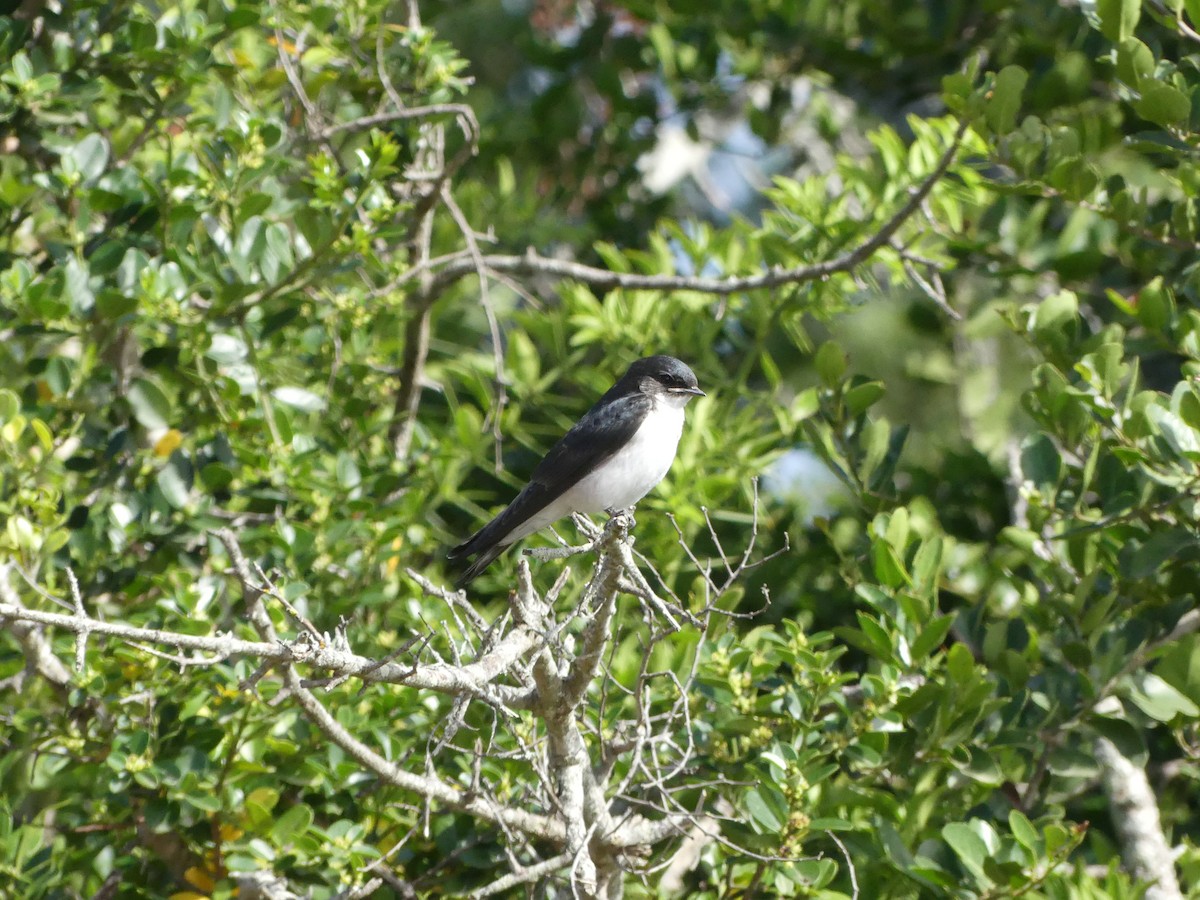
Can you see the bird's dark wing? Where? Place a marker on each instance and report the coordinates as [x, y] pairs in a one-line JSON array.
[[603, 430]]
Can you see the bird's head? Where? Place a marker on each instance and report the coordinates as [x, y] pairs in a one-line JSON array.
[[658, 375]]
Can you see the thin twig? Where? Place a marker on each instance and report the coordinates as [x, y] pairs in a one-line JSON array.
[[80, 636], [849, 864], [524, 876], [463, 113]]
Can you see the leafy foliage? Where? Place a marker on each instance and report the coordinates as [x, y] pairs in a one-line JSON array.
[[218, 266]]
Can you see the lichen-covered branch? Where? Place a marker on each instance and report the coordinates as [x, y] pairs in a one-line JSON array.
[[534, 665], [1144, 847]]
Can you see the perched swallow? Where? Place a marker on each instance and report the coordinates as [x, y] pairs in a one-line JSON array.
[[610, 459]]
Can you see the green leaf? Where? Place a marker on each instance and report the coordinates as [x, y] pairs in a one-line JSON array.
[[889, 568], [1073, 762], [805, 404], [1118, 18], [242, 16], [58, 376], [1155, 306], [1005, 102], [980, 766], [876, 441], [21, 66], [862, 397], [876, 635], [1163, 104], [761, 812], [10, 405], [77, 288], [960, 665], [969, 847], [216, 476], [90, 156], [931, 637], [175, 480], [1057, 837], [227, 349], [45, 438], [1149, 558], [1180, 667], [831, 363], [150, 405], [1040, 461], [927, 566], [299, 398], [1127, 737], [1157, 699], [292, 825], [348, 476], [13, 428], [249, 247], [277, 259], [1193, 10], [830, 824], [1023, 830], [1135, 61], [259, 804], [1184, 439], [1055, 311], [813, 873]]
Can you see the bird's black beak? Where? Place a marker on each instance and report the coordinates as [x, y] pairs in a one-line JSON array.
[[695, 392]]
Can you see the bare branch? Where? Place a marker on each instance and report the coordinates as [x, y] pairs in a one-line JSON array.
[[525, 875], [569, 800], [931, 287], [603, 588], [449, 795], [1144, 847], [473, 679], [485, 300], [463, 113], [269, 588], [416, 341], [251, 591], [849, 864], [603, 279], [687, 857], [39, 657], [80, 636], [456, 600]]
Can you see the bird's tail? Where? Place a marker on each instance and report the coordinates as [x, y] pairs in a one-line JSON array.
[[482, 561], [499, 534], [483, 546]]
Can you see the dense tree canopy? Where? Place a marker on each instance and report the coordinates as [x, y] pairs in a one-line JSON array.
[[294, 295]]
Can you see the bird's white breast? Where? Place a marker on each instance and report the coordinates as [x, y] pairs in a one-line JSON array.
[[626, 476], [629, 474]]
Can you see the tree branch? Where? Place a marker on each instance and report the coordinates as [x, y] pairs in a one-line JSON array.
[[416, 332], [524, 876], [1135, 814], [472, 679], [39, 657], [596, 634], [603, 279], [464, 114], [532, 824]]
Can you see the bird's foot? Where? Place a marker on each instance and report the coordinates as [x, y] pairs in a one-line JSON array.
[[627, 513]]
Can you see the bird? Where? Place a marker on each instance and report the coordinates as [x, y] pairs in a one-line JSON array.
[[609, 460]]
